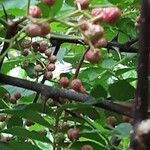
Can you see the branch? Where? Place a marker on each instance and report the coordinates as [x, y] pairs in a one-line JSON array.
[[125, 47], [12, 30], [52, 92], [140, 140]]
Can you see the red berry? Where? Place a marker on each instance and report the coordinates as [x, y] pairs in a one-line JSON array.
[[49, 2], [33, 30], [13, 100], [48, 75], [111, 120], [102, 42], [86, 147], [35, 46], [64, 82], [29, 123], [45, 29], [51, 67], [82, 90], [83, 3], [96, 12], [94, 32], [53, 59], [48, 53], [93, 56], [17, 95], [35, 12], [38, 68], [76, 84], [43, 47], [111, 14], [83, 24], [73, 134], [127, 119], [2, 118], [25, 52]]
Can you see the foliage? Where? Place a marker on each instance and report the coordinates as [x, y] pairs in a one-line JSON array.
[[113, 77]]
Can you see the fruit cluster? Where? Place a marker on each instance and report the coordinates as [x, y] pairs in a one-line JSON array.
[[14, 98], [75, 84], [93, 32], [50, 67], [109, 15], [35, 28]]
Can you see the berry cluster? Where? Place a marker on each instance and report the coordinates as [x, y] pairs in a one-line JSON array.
[[109, 15], [37, 29], [50, 67], [75, 84], [14, 98], [93, 32], [94, 36]]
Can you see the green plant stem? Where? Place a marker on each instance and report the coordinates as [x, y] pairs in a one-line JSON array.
[[28, 7], [80, 64]]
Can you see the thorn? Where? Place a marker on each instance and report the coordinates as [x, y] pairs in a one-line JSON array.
[[115, 39], [5, 13]]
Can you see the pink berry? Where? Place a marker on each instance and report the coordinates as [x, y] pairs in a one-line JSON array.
[[93, 56], [111, 14], [76, 84], [73, 134], [35, 12], [64, 82]]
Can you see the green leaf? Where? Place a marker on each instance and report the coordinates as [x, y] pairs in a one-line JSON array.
[[70, 2], [51, 11], [108, 63], [3, 104], [92, 135], [14, 121], [14, 145], [98, 91], [96, 2], [122, 71], [96, 146], [37, 107], [21, 132], [121, 90], [24, 146], [9, 4], [123, 130], [4, 146], [3, 91], [28, 114], [90, 74], [30, 71]]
